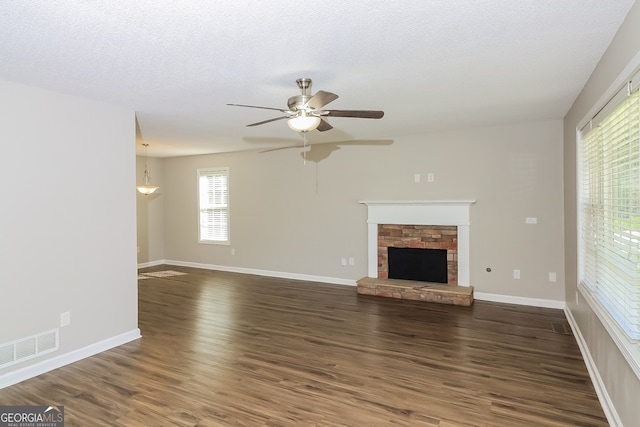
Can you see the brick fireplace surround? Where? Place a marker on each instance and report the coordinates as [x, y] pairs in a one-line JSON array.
[[422, 237], [441, 224]]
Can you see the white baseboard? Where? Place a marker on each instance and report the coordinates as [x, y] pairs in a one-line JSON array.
[[509, 299], [267, 273], [605, 401], [47, 365], [151, 263]]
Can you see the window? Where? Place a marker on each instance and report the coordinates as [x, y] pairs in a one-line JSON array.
[[213, 202], [610, 211]]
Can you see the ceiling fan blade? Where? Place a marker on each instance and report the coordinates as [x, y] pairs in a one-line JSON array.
[[362, 114], [268, 121], [324, 125], [255, 106], [320, 99]]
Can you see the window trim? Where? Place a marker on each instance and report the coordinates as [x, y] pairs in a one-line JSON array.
[[212, 170], [629, 348], [609, 171]]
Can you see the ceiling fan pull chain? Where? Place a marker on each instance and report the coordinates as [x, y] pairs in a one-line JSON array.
[[304, 144]]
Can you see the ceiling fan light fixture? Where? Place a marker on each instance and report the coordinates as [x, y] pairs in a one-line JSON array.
[[304, 123]]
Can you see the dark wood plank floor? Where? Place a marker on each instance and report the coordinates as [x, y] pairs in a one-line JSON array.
[[225, 349]]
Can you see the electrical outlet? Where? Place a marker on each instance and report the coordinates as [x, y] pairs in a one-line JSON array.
[[352, 261], [553, 278], [430, 177], [531, 220], [233, 251], [416, 177], [65, 318], [343, 261], [516, 274]]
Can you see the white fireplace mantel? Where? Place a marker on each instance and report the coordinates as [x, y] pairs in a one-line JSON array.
[[420, 212]]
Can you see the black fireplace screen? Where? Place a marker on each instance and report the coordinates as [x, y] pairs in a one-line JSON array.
[[426, 265]]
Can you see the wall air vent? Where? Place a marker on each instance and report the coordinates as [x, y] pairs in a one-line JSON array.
[[27, 348]]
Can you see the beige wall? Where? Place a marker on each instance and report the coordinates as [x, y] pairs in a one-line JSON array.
[[621, 384], [67, 220], [302, 219]]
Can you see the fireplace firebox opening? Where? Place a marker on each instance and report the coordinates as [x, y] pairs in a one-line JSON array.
[[426, 265]]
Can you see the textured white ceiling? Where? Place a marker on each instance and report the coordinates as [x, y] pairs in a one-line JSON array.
[[431, 65]]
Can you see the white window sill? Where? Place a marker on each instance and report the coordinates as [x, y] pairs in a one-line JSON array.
[[628, 347]]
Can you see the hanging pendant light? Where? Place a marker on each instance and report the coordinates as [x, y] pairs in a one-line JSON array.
[[146, 188]]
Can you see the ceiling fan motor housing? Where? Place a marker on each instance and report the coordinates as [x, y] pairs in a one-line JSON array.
[[297, 102]]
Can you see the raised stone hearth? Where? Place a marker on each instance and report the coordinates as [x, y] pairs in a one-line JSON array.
[[418, 291]]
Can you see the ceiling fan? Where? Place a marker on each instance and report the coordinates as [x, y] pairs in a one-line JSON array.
[[305, 112]]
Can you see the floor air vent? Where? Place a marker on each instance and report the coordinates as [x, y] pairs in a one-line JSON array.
[[28, 348], [560, 328]]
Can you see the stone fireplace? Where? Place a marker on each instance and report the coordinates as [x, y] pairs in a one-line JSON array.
[[421, 237], [430, 224]]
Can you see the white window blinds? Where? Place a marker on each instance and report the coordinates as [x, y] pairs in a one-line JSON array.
[[213, 191], [610, 212]]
